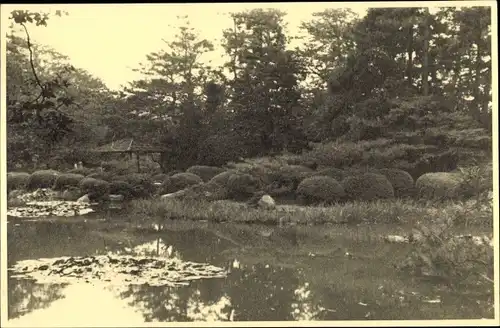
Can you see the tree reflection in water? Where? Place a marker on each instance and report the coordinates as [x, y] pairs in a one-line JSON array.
[[257, 292], [26, 296]]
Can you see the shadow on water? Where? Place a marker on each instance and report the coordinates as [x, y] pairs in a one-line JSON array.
[[274, 274]]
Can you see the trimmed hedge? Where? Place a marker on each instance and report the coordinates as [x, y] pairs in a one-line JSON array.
[[42, 179], [205, 172], [332, 172], [242, 185], [222, 178], [17, 180], [120, 187], [439, 185], [368, 186], [67, 180], [401, 181], [179, 181], [95, 188], [320, 189]]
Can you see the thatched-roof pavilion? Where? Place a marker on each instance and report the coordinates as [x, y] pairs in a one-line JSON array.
[[129, 146]]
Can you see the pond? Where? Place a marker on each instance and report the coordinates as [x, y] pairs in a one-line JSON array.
[[274, 274]]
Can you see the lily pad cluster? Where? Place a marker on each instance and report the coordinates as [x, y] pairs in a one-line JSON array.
[[113, 269], [42, 194], [50, 208]]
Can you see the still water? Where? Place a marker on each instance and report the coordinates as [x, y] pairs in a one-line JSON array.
[[298, 273]]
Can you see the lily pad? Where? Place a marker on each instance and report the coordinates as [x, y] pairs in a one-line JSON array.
[[116, 269]]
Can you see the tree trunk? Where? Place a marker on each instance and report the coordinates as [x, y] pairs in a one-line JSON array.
[[409, 63], [425, 68]]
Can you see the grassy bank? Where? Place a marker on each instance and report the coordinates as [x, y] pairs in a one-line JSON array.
[[381, 211]]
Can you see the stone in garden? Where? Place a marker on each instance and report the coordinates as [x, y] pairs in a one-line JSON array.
[[116, 198], [267, 202], [176, 194], [84, 199]]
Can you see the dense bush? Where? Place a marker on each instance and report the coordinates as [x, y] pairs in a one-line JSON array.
[[95, 188], [85, 171], [222, 178], [209, 191], [120, 187], [242, 185], [476, 180], [332, 172], [160, 177], [67, 180], [106, 176], [368, 186], [320, 189], [142, 184], [439, 185], [179, 181], [438, 162], [205, 172], [401, 181], [17, 180], [42, 179]]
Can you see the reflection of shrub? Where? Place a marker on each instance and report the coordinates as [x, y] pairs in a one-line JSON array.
[[67, 180], [205, 172], [438, 185], [42, 179], [241, 185], [439, 253], [17, 180], [401, 181], [179, 181], [95, 188], [367, 186], [320, 189]]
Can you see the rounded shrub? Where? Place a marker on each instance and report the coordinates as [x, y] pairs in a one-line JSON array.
[[67, 180], [120, 187], [291, 174], [320, 189], [205, 172], [368, 186], [207, 191], [160, 177], [241, 185], [42, 179], [179, 181], [17, 180], [438, 185], [142, 184], [337, 174], [85, 171], [401, 181], [222, 178], [106, 176], [174, 172], [95, 188]]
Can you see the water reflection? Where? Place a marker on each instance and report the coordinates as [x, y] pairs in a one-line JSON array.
[[267, 279]]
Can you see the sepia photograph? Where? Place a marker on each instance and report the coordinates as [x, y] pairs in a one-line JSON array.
[[262, 164]]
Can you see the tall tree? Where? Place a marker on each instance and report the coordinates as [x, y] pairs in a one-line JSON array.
[[264, 90]]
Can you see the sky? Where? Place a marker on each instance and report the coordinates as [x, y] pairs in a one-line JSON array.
[[108, 40]]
